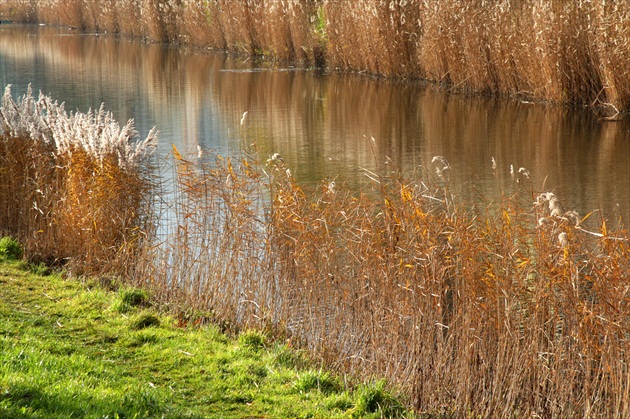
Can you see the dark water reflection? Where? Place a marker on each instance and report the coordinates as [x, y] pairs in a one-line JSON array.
[[323, 123]]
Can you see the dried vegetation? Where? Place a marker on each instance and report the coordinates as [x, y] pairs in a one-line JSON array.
[[496, 310], [74, 188], [569, 52], [499, 309]]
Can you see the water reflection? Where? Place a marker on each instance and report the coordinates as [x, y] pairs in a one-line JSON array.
[[323, 124], [153, 84]]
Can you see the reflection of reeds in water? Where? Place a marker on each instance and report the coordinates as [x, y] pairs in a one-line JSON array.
[[544, 50], [125, 65], [74, 188], [326, 122], [500, 310]]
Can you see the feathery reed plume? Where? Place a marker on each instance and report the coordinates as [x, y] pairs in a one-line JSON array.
[[441, 165], [77, 187]]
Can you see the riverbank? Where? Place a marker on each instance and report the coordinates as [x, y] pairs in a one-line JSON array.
[[544, 50], [505, 307], [76, 348]]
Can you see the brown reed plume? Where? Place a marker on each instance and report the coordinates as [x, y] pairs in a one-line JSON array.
[[76, 189]]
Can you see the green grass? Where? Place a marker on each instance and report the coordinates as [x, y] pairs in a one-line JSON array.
[[68, 350], [10, 248]]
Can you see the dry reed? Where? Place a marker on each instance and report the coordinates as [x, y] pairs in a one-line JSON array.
[[571, 52], [516, 308], [499, 310], [76, 189], [512, 309]]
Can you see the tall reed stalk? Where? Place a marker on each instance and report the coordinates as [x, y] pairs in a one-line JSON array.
[[514, 308], [544, 50], [75, 188]]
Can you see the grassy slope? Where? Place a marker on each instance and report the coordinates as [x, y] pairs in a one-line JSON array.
[[67, 349]]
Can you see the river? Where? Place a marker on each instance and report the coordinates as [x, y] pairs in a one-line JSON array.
[[325, 124]]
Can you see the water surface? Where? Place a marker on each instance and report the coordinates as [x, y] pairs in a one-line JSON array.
[[325, 125]]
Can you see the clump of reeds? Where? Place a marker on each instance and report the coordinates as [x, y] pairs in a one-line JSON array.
[[75, 188], [544, 50], [20, 11], [495, 309], [290, 30], [210, 248], [377, 37], [514, 308]]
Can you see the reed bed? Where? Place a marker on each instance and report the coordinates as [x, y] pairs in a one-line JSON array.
[[508, 308], [516, 308], [543, 50], [76, 189]]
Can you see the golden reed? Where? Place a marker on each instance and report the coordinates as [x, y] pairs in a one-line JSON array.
[[516, 308], [546, 50], [75, 188], [506, 309]]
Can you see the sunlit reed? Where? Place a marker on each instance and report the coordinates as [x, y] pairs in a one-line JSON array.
[[538, 50], [491, 309], [495, 310], [75, 188]]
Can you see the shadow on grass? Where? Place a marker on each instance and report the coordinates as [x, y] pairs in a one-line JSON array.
[[23, 400]]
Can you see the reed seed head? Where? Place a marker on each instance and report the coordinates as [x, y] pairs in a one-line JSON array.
[[563, 239]]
